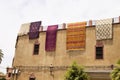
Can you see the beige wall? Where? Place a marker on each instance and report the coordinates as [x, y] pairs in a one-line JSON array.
[[24, 53]]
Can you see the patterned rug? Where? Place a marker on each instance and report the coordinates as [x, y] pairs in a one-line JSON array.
[[34, 30], [104, 29]]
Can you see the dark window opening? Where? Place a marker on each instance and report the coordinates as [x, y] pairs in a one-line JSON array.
[[31, 78], [36, 49], [99, 52], [9, 74]]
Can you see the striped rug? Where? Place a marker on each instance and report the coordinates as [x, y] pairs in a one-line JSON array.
[[76, 33]]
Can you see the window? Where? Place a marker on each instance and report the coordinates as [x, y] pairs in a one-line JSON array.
[[9, 74], [36, 49], [99, 52], [31, 78]]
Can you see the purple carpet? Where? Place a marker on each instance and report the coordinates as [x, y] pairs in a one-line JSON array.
[[51, 34], [34, 30]]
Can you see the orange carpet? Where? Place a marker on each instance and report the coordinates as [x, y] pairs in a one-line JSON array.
[[76, 34]]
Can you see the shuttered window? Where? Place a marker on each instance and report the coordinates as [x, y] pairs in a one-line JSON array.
[[99, 52], [36, 49]]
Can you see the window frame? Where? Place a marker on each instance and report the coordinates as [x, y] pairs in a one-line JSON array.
[[99, 44], [36, 44]]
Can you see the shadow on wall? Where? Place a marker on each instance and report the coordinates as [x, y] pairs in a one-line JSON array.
[[108, 42], [50, 53], [75, 52]]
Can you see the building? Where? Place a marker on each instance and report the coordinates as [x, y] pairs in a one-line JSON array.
[[33, 61]]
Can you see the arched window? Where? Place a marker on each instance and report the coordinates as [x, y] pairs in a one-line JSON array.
[[32, 77]]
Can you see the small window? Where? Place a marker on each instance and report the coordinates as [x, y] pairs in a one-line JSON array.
[[99, 52], [9, 74], [31, 78], [36, 49]]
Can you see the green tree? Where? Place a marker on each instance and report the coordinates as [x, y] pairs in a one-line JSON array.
[[115, 74], [1, 55], [76, 72], [3, 79]]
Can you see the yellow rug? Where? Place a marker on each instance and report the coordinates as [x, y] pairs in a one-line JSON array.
[[76, 34]]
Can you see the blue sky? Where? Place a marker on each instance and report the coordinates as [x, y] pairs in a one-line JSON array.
[[13, 13]]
